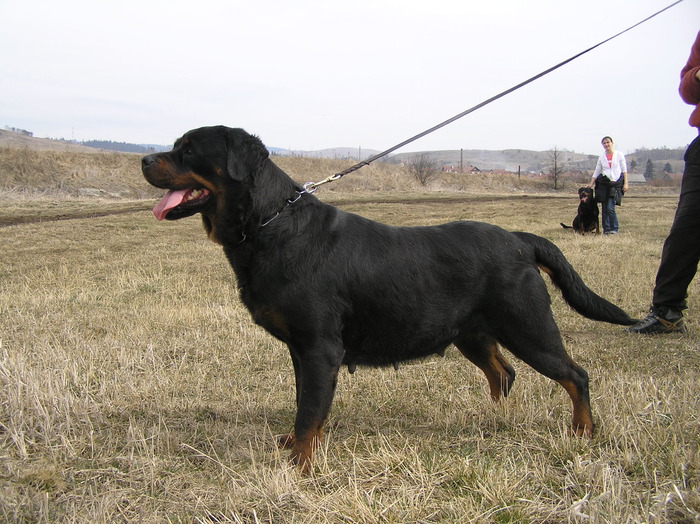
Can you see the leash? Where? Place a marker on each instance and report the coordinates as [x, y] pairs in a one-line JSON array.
[[310, 187]]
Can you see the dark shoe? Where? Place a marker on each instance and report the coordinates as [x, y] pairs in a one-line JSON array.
[[659, 321]]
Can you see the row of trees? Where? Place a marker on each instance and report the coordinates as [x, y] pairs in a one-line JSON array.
[[123, 147], [650, 170], [424, 167], [558, 167]]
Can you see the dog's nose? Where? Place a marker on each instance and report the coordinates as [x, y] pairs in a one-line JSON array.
[[147, 161]]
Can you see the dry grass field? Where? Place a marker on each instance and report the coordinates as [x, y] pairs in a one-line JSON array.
[[135, 388]]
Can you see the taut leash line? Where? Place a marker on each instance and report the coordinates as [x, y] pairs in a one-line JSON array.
[[310, 187]]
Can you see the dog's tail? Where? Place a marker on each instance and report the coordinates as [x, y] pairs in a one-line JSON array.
[[565, 226], [576, 293]]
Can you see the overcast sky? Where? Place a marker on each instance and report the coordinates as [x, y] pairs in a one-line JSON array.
[[314, 74]]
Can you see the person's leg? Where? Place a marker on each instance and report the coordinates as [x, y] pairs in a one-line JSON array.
[[680, 255], [604, 217], [608, 207], [681, 251], [614, 226]]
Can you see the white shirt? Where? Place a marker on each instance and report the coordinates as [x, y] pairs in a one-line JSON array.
[[617, 166]]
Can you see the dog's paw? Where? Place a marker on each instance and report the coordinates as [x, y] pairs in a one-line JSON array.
[[286, 441]]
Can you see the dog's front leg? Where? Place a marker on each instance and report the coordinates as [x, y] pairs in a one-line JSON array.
[[287, 441], [317, 377]]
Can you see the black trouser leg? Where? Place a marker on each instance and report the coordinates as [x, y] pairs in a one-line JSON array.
[[681, 251]]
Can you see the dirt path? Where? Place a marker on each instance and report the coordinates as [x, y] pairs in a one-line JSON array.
[[28, 212], [40, 211]]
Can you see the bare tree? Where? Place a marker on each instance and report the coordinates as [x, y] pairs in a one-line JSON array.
[[557, 165], [423, 167]]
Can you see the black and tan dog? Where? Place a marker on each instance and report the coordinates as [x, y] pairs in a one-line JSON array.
[[587, 216], [342, 290]]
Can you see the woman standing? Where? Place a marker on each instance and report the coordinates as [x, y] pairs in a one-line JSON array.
[[610, 179]]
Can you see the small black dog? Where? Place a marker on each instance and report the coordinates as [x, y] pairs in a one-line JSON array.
[[586, 220]]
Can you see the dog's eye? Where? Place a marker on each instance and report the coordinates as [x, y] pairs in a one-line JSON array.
[[188, 151]]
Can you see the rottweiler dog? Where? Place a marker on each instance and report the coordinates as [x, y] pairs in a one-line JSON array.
[[341, 290], [587, 216]]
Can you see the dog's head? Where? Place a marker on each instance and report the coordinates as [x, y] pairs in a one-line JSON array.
[[206, 168], [202, 163], [585, 194]]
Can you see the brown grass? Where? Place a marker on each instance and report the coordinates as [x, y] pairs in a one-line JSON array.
[[66, 173], [134, 387]]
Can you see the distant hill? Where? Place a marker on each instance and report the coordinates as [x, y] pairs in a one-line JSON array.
[[340, 153], [540, 161], [484, 160], [507, 159], [18, 140], [125, 147], [21, 140]]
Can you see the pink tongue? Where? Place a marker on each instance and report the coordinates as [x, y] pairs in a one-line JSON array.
[[170, 200]]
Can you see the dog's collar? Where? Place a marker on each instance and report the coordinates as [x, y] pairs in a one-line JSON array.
[[288, 203], [306, 190]]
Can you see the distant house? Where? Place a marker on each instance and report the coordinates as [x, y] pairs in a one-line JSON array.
[[456, 169], [636, 178], [19, 131]]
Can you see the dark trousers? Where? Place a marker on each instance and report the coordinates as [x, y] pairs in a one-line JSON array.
[[610, 223], [681, 252]]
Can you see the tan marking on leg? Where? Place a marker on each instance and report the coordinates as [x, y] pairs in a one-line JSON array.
[[286, 441], [582, 420], [303, 449]]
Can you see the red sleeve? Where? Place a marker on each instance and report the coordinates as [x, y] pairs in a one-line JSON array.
[[690, 86]]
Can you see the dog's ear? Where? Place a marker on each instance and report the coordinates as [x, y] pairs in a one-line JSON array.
[[245, 153]]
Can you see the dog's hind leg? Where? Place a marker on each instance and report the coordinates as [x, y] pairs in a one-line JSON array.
[[527, 328], [577, 388], [543, 349], [483, 351]]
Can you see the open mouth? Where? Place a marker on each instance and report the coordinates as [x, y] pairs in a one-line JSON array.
[[180, 203]]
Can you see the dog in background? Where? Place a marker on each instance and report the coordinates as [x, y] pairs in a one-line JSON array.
[[587, 217]]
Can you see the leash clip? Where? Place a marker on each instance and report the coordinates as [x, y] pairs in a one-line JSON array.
[[309, 187]]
